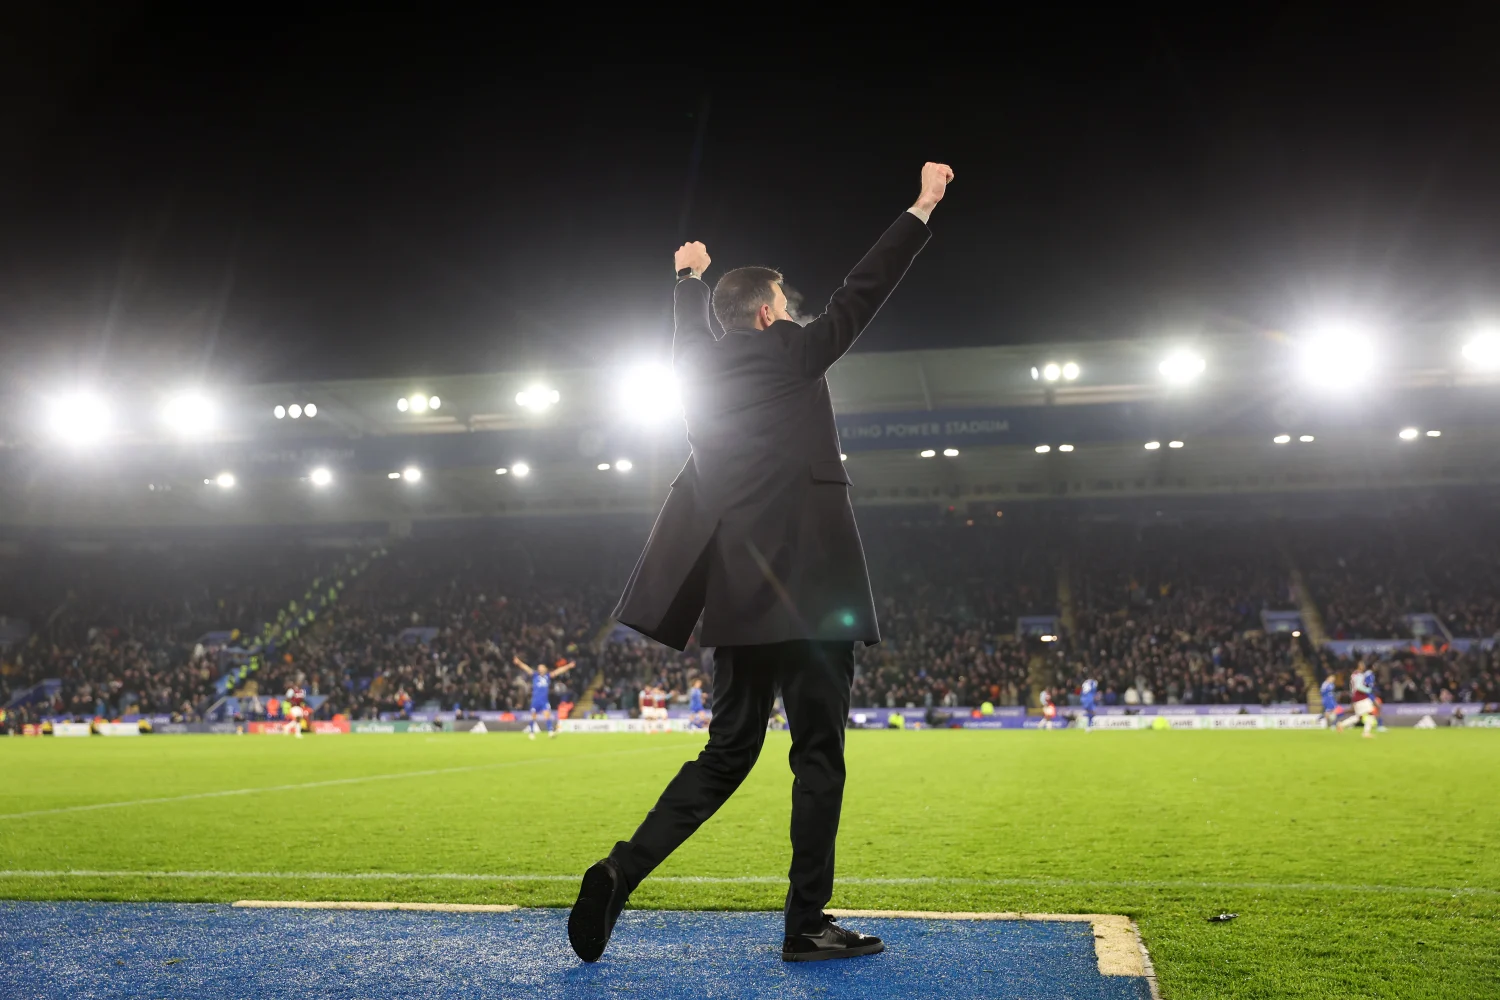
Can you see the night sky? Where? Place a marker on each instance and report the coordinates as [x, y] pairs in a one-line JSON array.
[[252, 198]]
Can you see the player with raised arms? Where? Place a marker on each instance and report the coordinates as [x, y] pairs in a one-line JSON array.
[[541, 688]]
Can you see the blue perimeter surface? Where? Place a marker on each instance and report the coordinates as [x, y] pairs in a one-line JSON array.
[[77, 950]]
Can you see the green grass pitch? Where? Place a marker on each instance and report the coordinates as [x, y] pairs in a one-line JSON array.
[[1358, 868]]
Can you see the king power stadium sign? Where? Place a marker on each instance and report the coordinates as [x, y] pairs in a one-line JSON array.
[[876, 430]]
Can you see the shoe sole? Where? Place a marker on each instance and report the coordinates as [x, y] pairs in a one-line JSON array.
[[823, 956], [588, 923]]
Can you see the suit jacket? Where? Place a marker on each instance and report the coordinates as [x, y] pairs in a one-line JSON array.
[[757, 533]]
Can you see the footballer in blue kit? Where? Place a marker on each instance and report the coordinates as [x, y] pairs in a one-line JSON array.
[[541, 689], [1086, 695], [1329, 690], [695, 704]]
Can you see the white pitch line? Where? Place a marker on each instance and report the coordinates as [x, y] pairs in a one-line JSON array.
[[1039, 883], [225, 793], [358, 904]]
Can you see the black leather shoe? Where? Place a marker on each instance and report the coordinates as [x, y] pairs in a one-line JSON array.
[[832, 941], [600, 900]]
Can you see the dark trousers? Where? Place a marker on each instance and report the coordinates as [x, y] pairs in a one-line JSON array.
[[814, 680]]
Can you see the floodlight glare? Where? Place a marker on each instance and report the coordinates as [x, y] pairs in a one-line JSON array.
[[1434, 434], [1042, 449], [320, 476], [1152, 445], [537, 398], [403, 404], [1306, 439], [434, 403], [80, 419], [603, 467], [1174, 444], [1338, 357], [419, 403], [411, 474], [310, 410], [1282, 439], [1483, 350], [225, 480], [1408, 434], [927, 453], [624, 465], [294, 411], [1064, 448], [1070, 371], [1051, 372], [950, 452], [279, 412], [520, 469], [502, 472], [189, 415], [1181, 367], [1035, 374], [843, 457], [648, 395], [393, 475]]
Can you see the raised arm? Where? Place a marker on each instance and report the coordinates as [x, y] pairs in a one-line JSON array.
[[854, 305], [692, 330], [564, 668], [517, 661]]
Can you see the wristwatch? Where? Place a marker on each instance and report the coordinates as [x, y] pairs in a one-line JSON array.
[[685, 272]]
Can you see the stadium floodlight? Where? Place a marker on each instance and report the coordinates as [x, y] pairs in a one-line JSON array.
[[1483, 350], [1064, 448], [1035, 374], [1153, 445], [502, 472], [225, 480], [1071, 371], [603, 466], [310, 410], [1296, 633], [1409, 434], [843, 457], [624, 465], [419, 403], [403, 404], [79, 419], [1051, 372], [1282, 439], [1181, 367], [434, 403], [411, 474], [1338, 357], [1042, 449], [950, 452], [279, 412], [393, 475], [1306, 439], [926, 453], [520, 469], [648, 395], [1049, 638], [538, 398], [1434, 434], [1174, 444], [189, 414], [320, 476], [294, 411]]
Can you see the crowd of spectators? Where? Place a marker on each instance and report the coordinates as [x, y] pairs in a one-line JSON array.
[[1162, 614]]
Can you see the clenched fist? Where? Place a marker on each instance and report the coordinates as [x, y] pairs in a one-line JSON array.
[[935, 180], [695, 256]]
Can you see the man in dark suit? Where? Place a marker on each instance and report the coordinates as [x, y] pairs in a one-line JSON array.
[[758, 536]]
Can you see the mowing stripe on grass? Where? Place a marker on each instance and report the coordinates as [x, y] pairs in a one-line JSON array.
[[1038, 883], [225, 793]]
